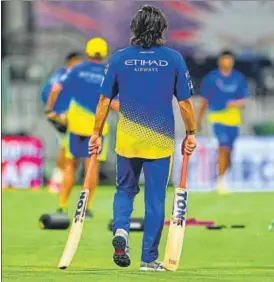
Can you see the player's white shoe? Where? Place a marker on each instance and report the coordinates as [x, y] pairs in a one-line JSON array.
[[55, 184], [152, 266], [121, 249], [54, 187], [221, 189]]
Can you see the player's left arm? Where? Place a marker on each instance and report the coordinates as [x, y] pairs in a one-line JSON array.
[[242, 95], [183, 92], [115, 105]]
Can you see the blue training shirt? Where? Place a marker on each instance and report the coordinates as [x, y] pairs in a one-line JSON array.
[[219, 89], [82, 83], [146, 80], [63, 100]]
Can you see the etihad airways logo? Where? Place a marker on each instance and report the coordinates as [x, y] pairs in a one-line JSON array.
[[146, 65]]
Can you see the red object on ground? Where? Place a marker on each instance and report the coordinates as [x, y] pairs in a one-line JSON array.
[[194, 222]]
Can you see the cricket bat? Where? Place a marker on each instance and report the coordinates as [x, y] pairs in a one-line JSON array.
[[78, 222], [176, 231]]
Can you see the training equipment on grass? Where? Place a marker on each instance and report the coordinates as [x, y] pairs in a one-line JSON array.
[[237, 226], [176, 231], [54, 221], [78, 222], [194, 222], [136, 225], [216, 227], [220, 227]]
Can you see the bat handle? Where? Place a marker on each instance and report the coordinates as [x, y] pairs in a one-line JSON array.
[[184, 171], [91, 166]]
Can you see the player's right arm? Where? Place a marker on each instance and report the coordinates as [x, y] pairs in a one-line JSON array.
[[54, 93], [57, 88], [64, 82], [58, 122], [183, 92], [109, 90]]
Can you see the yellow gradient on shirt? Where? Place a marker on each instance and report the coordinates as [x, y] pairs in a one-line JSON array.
[[230, 117], [137, 141], [81, 121]]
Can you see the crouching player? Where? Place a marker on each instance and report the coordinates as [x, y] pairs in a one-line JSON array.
[[83, 84], [224, 93], [58, 119]]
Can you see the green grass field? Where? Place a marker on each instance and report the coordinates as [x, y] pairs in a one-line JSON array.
[[31, 254]]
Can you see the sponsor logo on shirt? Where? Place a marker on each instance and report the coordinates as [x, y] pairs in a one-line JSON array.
[[91, 77], [146, 65], [226, 87], [63, 77], [189, 81]]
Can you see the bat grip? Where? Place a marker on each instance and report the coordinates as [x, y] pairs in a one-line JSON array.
[[91, 166], [184, 171]]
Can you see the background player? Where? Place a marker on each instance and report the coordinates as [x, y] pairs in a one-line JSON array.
[[224, 92], [59, 109], [83, 83], [147, 75]]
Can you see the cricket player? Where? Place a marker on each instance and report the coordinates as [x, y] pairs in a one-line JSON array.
[[83, 83], [224, 92], [60, 108], [147, 75]]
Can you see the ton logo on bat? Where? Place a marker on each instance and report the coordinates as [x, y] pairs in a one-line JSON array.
[[80, 204], [180, 208]]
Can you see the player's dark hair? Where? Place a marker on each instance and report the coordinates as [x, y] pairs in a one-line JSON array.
[[73, 55], [227, 53], [97, 56], [148, 27]]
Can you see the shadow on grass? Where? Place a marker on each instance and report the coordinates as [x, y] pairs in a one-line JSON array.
[[193, 274], [72, 270]]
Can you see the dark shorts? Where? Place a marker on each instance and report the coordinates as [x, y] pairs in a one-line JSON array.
[[226, 135], [78, 147]]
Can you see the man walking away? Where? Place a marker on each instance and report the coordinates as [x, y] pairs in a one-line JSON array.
[[147, 75]]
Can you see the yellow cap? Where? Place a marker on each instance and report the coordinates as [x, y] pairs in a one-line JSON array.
[[97, 45]]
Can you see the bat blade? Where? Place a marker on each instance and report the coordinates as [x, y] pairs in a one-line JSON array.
[[176, 231], [75, 231]]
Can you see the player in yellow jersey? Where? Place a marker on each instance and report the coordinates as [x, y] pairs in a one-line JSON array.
[[60, 107], [83, 83], [224, 92]]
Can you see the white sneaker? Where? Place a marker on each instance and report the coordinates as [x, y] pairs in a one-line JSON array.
[[221, 189], [152, 266], [54, 187], [121, 250]]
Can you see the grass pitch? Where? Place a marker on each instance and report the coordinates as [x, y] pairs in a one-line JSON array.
[[31, 255]]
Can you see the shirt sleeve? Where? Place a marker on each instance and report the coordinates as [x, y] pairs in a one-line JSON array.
[[183, 84], [243, 89], [109, 86], [66, 79], [205, 87]]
